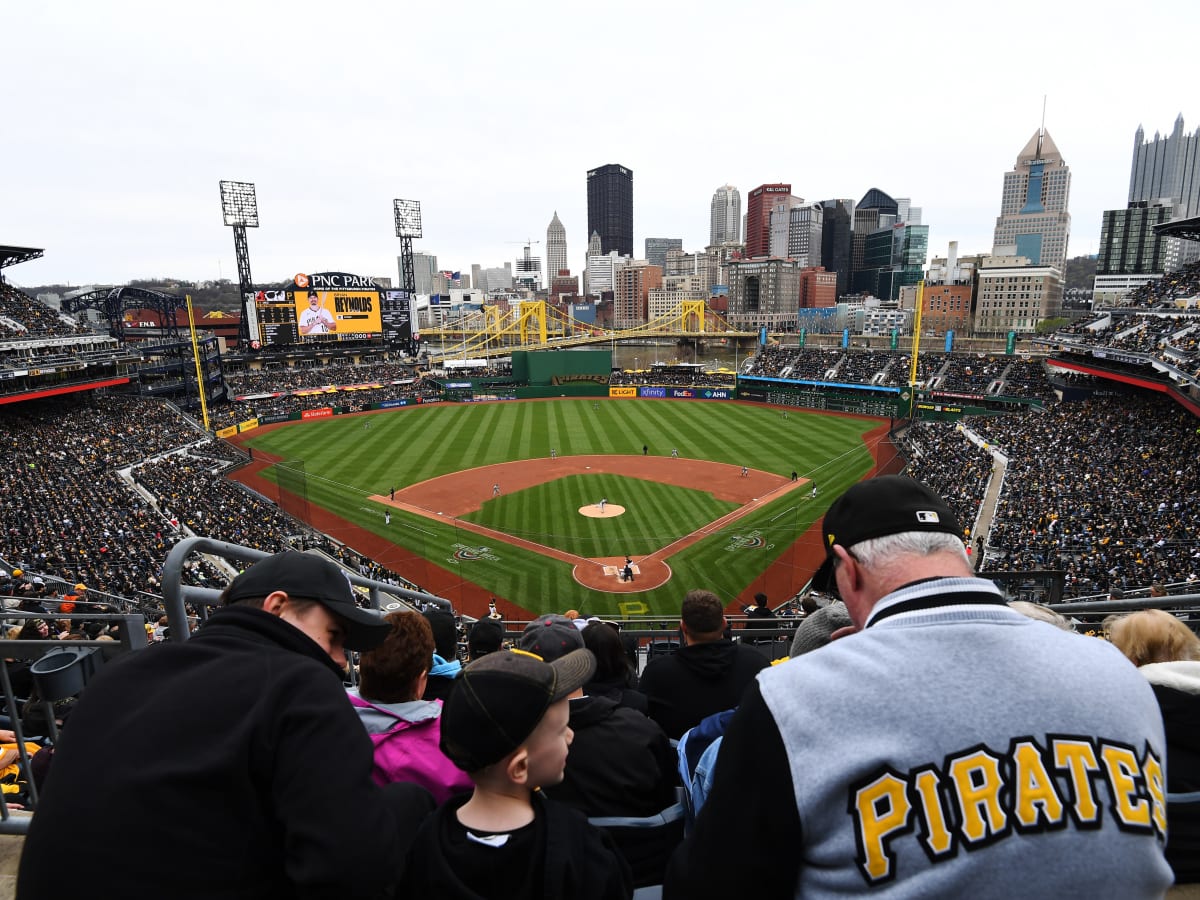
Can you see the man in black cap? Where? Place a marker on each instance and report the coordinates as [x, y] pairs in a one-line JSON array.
[[951, 747], [238, 744]]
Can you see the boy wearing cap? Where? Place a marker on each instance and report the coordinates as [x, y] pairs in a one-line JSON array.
[[505, 725], [237, 743], [950, 748]]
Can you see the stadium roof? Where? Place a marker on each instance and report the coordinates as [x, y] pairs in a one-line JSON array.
[[1188, 229], [10, 256]]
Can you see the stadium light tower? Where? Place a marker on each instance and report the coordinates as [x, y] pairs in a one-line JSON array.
[[239, 205], [408, 226]]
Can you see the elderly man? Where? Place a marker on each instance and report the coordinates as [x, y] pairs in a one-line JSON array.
[[238, 748], [950, 748]]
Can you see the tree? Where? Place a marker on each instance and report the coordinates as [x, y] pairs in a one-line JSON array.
[[1080, 273]]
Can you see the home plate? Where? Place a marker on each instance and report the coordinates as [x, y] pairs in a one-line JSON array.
[[618, 571]]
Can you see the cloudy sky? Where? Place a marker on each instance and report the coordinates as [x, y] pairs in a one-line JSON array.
[[121, 118]]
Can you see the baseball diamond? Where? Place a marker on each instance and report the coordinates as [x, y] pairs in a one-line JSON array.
[[680, 516]]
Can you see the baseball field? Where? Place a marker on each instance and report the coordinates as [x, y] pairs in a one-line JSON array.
[[503, 499]]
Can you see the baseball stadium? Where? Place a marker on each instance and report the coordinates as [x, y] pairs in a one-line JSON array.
[[523, 463]]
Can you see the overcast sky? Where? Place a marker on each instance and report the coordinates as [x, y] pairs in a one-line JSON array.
[[122, 117]]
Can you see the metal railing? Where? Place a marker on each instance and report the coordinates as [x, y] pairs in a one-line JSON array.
[[177, 596]]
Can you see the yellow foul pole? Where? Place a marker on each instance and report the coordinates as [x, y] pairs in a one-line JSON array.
[[196, 357], [916, 347]]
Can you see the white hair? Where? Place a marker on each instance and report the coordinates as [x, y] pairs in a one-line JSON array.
[[879, 553]]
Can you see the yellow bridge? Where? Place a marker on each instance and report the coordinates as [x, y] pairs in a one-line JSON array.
[[536, 325]]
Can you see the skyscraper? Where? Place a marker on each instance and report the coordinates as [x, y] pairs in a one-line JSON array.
[[1033, 211], [610, 207], [874, 211], [556, 247], [725, 219], [1167, 167], [805, 224], [836, 240], [656, 250], [758, 217]]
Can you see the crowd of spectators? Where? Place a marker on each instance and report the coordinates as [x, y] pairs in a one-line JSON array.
[[1026, 377], [682, 376], [957, 469], [1170, 290], [973, 373], [289, 378], [68, 516], [65, 512], [1173, 338], [23, 316], [1103, 490], [355, 400], [970, 373]]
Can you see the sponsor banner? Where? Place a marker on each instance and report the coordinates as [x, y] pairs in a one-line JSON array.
[[390, 404], [424, 400], [622, 392], [247, 397], [323, 413], [715, 394], [957, 396], [227, 432], [938, 407], [651, 392], [248, 425], [682, 393], [271, 420], [457, 384]]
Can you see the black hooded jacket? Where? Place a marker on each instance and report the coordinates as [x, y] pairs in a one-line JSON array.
[[620, 764], [561, 857], [697, 681], [239, 750]]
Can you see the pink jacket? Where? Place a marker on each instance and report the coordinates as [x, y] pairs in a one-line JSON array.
[[406, 737]]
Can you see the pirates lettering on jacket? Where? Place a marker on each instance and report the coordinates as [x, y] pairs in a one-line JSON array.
[[978, 797]]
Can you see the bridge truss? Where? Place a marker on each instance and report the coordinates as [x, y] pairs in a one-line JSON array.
[[536, 325]]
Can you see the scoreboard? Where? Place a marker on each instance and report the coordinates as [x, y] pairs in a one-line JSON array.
[[330, 307]]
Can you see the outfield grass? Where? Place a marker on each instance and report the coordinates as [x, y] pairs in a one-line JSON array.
[[345, 463]]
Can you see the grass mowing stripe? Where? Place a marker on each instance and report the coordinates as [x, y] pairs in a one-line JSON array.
[[417, 444]]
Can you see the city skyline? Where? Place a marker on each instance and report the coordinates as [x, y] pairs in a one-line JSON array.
[[114, 172]]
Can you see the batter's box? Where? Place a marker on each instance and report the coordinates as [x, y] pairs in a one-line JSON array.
[[619, 571]]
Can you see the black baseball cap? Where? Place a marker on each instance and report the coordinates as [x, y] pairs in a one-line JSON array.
[[486, 636], [308, 577], [551, 637], [879, 507], [499, 699]]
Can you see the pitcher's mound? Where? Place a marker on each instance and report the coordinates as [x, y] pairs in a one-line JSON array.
[[592, 511]]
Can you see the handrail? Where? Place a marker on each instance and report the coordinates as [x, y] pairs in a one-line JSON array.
[[176, 594]]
